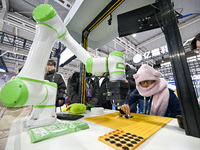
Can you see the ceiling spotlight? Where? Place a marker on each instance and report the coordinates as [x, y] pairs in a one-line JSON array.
[[134, 35], [162, 59], [137, 58]]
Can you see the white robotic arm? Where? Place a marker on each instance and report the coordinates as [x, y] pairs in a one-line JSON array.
[[30, 88]]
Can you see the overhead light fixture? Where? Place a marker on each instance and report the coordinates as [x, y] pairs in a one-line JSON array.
[[166, 63], [134, 35], [137, 58], [163, 59]]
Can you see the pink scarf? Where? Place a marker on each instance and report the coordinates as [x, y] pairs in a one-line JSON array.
[[158, 89]]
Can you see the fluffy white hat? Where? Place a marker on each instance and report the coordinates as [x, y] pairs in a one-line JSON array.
[[146, 72]]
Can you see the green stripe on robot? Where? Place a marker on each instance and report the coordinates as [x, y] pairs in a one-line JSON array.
[[63, 34], [89, 64], [106, 64], [49, 27], [46, 95], [34, 80], [67, 21], [53, 29], [116, 53], [114, 72], [44, 106], [120, 63]]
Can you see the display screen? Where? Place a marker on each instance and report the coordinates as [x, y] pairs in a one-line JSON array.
[[139, 20]]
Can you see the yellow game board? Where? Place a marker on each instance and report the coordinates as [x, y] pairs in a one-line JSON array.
[[141, 125]]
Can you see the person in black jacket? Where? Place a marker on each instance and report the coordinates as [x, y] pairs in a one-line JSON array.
[[56, 77], [102, 102], [91, 96], [195, 44], [160, 100], [129, 77]]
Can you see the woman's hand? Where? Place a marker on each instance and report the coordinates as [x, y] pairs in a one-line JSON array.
[[126, 109]]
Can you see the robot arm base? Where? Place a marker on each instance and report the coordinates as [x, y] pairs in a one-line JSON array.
[[41, 116]]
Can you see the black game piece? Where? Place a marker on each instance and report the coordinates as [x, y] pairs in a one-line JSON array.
[[133, 142], [130, 145], [123, 142], [112, 142], [107, 139], [118, 144], [125, 148]]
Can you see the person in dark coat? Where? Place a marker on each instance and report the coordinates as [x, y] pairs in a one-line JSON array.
[[129, 77], [53, 76], [102, 102], [137, 101], [91, 89], [195, 44], [160, 101]]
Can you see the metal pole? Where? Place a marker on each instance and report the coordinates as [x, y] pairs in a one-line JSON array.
[[188, 101]]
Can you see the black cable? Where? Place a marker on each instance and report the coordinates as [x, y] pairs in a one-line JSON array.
[[178, 9]]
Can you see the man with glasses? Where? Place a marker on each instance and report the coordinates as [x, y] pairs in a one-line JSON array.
[[56, 77], [195, 44]]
